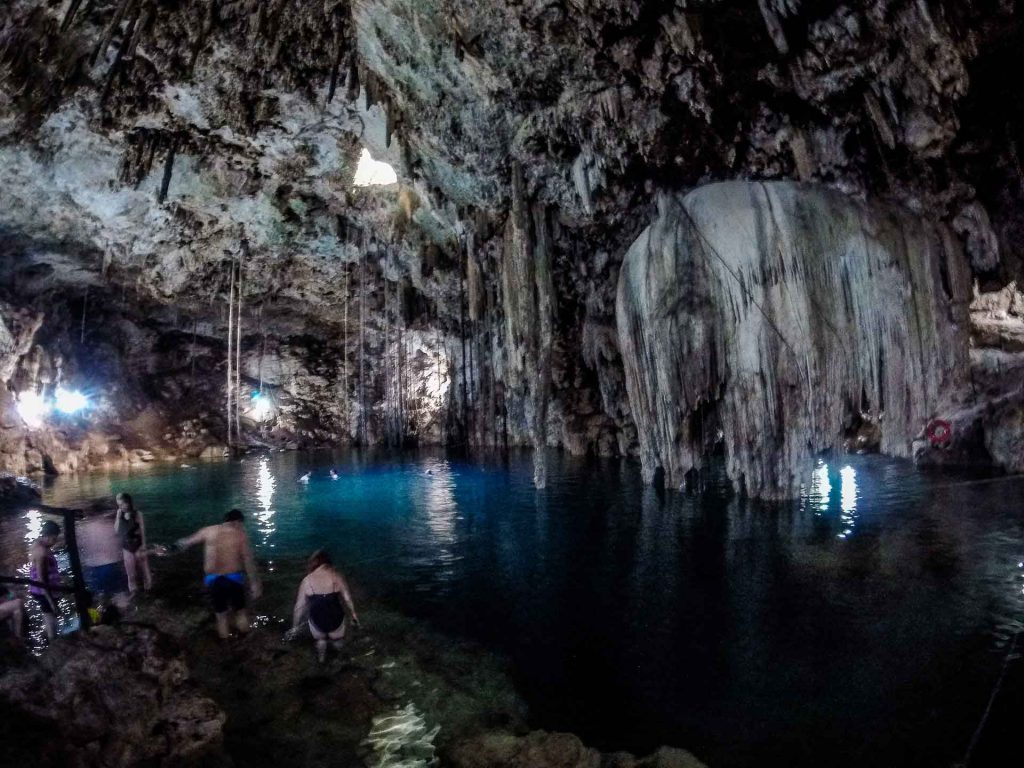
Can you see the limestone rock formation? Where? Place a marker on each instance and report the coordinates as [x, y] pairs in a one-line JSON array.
[[151, 150], [771, 317], [539, 749], [119, 697]]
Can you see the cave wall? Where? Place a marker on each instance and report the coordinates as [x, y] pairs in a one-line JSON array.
[[777, 314], [146, 147]]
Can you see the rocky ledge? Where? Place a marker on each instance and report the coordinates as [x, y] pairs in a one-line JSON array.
[[162, 691], [116, 697]]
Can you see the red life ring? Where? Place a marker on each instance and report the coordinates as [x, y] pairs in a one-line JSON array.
[[939, 432]]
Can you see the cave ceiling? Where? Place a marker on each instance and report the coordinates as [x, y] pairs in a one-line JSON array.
[[146, 143]]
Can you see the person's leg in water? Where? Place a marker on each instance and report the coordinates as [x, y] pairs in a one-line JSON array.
[[242, 621], [142, 560], [47, 608], [223, 624], [11, 610], [337, 637], [129, 568], [321, 642]]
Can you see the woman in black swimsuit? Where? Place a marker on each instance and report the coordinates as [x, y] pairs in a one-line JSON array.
[[323, 598], [131, 528]]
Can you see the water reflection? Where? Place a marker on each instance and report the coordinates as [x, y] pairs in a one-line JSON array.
[[847, 500], [821, 487], [34, 520], [438, 509], [266, 484], [439, 503]]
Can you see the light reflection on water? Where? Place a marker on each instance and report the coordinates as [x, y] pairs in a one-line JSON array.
[[827, 626]]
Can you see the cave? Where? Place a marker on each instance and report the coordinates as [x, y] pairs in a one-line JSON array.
[[651, 368]]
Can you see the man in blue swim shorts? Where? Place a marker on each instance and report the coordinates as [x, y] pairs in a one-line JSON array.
[[102, 561], [228, 562]]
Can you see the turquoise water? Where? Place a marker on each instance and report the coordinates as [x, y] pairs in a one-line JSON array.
[[865, 624]]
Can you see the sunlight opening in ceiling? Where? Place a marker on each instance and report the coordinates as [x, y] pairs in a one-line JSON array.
[[372, 172]]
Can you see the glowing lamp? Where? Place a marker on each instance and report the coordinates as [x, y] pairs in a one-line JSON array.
[[32, 409], [70, 401], [261, 406]]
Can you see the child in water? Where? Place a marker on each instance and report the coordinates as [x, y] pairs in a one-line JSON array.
[[323, 597]]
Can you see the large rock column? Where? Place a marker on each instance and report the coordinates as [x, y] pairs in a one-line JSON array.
[[764, 316]]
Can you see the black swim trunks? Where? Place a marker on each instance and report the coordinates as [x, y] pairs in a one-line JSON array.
[[227, 591]]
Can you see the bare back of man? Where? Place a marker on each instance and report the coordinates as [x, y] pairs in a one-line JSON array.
[[227, 561]]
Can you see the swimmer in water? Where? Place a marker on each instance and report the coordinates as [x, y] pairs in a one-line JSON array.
[[305, 478], [334, 475]]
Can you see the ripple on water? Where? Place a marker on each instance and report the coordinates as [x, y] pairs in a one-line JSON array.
[[402, 739]]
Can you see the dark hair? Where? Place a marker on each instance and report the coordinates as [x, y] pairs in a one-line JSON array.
[[49, 528], [318, 558], [127, 499], [234, 516]]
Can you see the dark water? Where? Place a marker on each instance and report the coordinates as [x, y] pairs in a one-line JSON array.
[[865, 625]]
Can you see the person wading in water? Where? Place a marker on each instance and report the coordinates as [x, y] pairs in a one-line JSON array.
[[130, 526], [227, 561], [44, 570], [323, 597]]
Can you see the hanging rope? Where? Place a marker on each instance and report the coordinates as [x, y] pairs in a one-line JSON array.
[[991, 701]]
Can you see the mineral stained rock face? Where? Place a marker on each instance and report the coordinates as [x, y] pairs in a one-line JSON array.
[[772, 316]]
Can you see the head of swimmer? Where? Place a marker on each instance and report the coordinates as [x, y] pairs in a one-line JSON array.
[[234, 516], [125, 502], [318, 558], [49, 533]]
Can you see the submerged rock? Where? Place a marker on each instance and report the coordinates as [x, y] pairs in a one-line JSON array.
[[540, 749], [770, 316]]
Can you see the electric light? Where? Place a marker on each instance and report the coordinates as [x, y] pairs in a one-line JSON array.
[[261, 406], [32, 408], [70, 401]]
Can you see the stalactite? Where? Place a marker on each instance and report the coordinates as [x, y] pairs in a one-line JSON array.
[[122, 52], [386, 355], [339, 52], [352, 79], [770, 309], [362, 343], [401, 363], [192, 354], [238, 348], [204, 32], [545, 312], [123, 8], [165, 182], [527, 294], [462, 332], [69, 16], [139, 29], [85, 304], [344, 352], [231, 333]]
